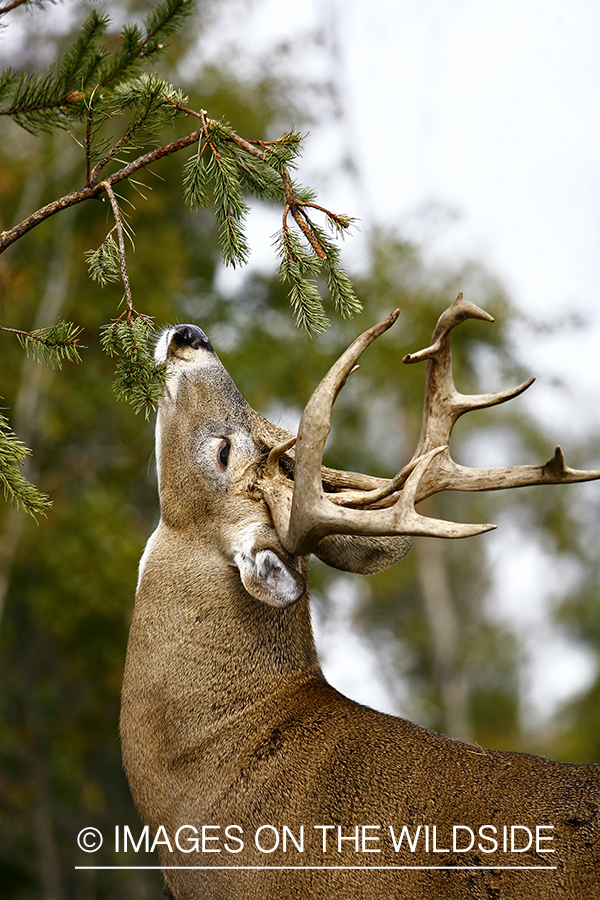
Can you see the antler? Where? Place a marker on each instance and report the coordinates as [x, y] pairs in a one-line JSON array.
[[388, 508], [443, 405]]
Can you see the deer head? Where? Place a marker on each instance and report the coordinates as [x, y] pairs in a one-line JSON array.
[[215, 455], [213, 447]]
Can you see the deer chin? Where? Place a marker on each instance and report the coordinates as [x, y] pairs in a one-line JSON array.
[[265, 575]]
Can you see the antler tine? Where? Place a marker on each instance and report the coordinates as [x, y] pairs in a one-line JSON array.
[[449, 475], [313, 431], [406, 520], [443, 405]]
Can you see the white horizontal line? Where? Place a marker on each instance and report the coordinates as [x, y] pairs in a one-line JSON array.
[[301, 868]]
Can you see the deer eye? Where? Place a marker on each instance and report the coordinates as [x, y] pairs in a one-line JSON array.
[[223, 452]]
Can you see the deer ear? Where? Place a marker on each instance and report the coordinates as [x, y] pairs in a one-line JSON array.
[[362, 555], [268, 578]]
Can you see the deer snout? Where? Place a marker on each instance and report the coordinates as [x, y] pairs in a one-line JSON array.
[[191, 336], [179, 338]]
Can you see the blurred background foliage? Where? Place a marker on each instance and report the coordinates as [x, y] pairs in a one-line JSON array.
[[67, 583]]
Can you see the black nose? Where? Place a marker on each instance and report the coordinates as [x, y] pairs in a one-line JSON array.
[[191, 336]]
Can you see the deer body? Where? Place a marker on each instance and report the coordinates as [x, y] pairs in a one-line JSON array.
[[227, 721]]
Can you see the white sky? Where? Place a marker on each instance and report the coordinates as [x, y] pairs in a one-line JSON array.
[[495, 109], [491, 148]]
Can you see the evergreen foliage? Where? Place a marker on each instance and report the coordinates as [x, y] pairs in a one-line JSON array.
[[114, 108], [139, 379], [104, 264], [52, 345], [233, 167], [16, 487], [57, 98]]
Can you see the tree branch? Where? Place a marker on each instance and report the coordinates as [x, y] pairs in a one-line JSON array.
[[94, 190], [11, 6]]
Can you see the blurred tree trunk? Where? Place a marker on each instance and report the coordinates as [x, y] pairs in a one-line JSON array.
[[444, 629], [35, 381], [41, 813]]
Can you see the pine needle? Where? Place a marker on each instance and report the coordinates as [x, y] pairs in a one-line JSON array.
[[139, 381], [54, 345], [17, 489]]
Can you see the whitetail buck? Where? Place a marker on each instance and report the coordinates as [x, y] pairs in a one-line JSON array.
[[254, 775]]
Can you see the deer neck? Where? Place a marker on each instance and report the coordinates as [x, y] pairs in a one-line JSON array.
[[201, 650]]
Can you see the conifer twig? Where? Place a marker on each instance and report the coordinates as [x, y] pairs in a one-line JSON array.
[[121, 240], [50, 345], [15, 485], [293, 204], [11, 6], [91, 191]]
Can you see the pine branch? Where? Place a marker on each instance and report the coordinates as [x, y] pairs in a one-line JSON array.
[[301, 267], [104, 264], [151, 100], [8, 79], [225, 169], [235, 165], [93, 86], [195, 180], [81, 63], [42, 101], [91, 191], [121, 253], [139, 380], [53, 345], [10, 6], [282, 154], [137, 47], [60, 96], [16, 487], [229, 207]]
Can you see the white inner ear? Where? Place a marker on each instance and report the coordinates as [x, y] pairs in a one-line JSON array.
[[268, 578]]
